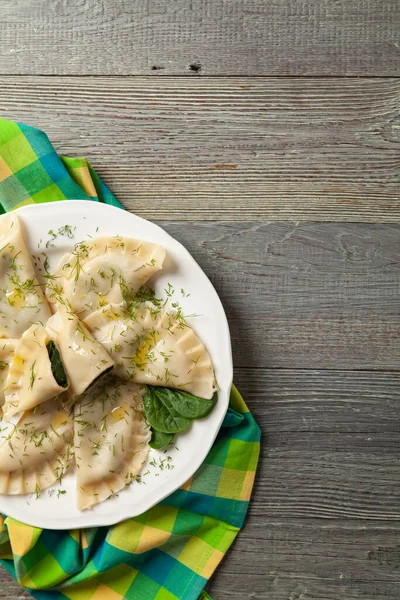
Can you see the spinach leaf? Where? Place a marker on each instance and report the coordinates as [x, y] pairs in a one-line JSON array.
[[172, 411], [185, 404], [57, 368], [159, 439], [161, 414]]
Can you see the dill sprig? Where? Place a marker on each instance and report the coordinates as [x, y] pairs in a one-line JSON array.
[[32, 376]]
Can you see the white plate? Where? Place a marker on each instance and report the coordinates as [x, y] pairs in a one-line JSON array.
[[182, 272]]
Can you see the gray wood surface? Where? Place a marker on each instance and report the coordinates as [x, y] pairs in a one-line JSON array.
[[210, 37], [281, 174], [324, 520], [229, 149], [304, 295], [311, 559]]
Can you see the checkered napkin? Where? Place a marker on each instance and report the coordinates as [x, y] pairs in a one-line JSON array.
[[169, 552]]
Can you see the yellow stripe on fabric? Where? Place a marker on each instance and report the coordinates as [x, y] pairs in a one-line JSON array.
[[80, 538], [119, 579], [72, 594], [5, 170], [237, 401], [186, 486], [85, 543], [163, 517], [17, 153], [231, 484], [151, 538], [27, 582], [73, 162], [83, 178], [126, 536], [247, 486], [212, 564], [79, 591], [74, 533], [196, 554], [22, 537], [255, 453], [103, 592]]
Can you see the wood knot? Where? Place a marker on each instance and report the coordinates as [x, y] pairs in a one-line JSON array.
[[195, 67]]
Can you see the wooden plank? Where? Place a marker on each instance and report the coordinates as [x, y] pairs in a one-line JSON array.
[[227, 149], [341, 409], [9, 588], [303, 481], [212, 37], [310, 559], [330, 443], [304, 295], [324, 519]]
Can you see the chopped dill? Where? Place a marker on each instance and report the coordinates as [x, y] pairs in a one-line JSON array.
[[32, 376]]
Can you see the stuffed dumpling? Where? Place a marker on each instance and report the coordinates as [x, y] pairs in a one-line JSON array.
[[84, 358], [36, 373], [154, 346], [102, 271], [36, 452], [21, 299], [111, 440]]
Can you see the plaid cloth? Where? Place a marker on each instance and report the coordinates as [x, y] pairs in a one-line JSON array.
[[169, 552]]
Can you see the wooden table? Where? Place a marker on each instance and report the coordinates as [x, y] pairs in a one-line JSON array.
[[265, 136]]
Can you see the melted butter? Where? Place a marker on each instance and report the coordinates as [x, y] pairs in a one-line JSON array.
[[16, 298], [60, 418], [18, 361], [118, 413], [148, 344]]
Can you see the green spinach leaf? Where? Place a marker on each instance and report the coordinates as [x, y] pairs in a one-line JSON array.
[[185, 404], [161, 414], [171, 411], [159, 439], [57, 367]]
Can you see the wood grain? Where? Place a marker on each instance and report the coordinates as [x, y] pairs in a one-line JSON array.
[[191, 37], [341, 409], [310, 559], [304, 295], [286, 163], [308, 469], [324, 520], [227, 149]]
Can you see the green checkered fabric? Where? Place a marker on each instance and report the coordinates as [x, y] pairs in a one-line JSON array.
[[169, 552]]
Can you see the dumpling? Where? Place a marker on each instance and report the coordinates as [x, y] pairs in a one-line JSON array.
[[7, 348], [111, 440], [153, 346], [21, 299], [102, 271], [83, 357], [37, 452], [36, 372]]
